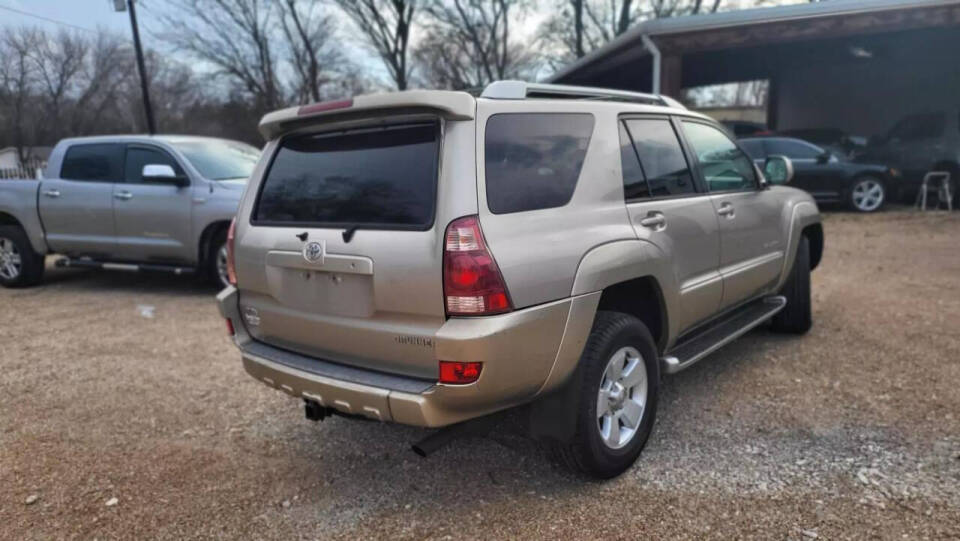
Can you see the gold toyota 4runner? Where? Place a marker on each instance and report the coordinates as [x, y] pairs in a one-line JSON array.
[[430, 257]]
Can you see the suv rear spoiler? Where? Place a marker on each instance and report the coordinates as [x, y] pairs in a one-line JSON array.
[[451, 105]]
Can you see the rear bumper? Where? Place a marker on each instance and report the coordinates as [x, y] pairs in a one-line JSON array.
[[525, 353]]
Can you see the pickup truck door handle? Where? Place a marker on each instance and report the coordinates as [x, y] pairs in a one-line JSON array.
[[726, 209], [51, 193], [125, 196], [655, 220]]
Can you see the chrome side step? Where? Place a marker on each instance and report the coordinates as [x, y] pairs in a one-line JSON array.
[[721, 333], [87, 263]]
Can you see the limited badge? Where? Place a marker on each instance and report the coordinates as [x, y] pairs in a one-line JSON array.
[[314, 252]]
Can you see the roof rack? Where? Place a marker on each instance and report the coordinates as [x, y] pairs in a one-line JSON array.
[[518, 90]]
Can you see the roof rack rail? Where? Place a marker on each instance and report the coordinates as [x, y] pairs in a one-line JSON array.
[[518, 90]]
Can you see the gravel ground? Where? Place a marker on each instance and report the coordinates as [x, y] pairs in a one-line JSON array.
[[118, 425]]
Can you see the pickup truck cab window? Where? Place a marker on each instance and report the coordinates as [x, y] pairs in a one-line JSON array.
[[93, 162], [724, 166], [661, 157], [139, 156]]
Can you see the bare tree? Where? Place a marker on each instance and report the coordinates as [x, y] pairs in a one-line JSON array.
[[315, 60], [580, 26], [468, 43], [17, 76], [386, 25], [235, 37], [59, 64]]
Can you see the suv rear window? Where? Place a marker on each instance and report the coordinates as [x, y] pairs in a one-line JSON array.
[[533, 160], [381, 177]]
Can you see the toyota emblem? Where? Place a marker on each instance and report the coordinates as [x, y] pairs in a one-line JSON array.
[[314, 252]]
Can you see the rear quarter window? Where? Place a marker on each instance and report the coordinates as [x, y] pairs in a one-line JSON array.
[[533, 160], [377, 177]]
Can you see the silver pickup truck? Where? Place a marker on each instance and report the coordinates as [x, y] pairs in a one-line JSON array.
[[131, 202]]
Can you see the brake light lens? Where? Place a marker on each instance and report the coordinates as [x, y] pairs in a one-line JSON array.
[[472, 283], [231, 267], [324, 106], [230, 329], [457, 373]]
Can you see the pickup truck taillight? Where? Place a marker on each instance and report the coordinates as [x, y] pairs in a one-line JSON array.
[[231, 267], [472, 283]]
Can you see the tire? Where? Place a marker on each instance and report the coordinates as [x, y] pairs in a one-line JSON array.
[[588, 451], [20, 266], [216, 260], [867, 194], [796, 316]]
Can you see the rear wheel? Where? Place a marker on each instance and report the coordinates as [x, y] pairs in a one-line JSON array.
[[619, 384], [867, 194], [217, 260], [796, 317], [20, 266]]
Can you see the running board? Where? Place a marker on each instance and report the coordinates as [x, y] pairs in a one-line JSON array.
[[721, 333], [129, 267]]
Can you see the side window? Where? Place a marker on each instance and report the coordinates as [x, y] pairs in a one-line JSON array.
[[634, 183], [94, 162], [533, 160], [661, 157], [724, 166], [754, 147], [795, 150], [137, 157]]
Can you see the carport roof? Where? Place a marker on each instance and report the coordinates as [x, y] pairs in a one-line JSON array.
[[628, 45]]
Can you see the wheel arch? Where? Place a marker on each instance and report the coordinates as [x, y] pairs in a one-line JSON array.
[[814, 234], [34, 232], [9, 219], [206, 237]]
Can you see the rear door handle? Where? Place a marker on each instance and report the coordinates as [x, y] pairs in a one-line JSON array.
[[124, 196], [655, 220], [51, 193], [726, 209]]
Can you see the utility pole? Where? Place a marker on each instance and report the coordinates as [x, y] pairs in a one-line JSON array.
[[120, 6]]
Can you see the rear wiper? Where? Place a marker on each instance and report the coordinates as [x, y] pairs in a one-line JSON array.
[[348, 232]]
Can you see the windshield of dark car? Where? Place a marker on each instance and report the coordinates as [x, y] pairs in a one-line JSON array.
[[220, 160]]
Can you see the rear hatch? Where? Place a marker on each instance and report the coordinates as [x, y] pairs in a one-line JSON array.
[[339, 247]]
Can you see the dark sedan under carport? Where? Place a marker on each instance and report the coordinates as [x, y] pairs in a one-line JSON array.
[[829, 177]]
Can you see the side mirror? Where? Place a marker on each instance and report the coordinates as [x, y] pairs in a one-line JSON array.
[[824, 158], [162, 173], [778, 169]]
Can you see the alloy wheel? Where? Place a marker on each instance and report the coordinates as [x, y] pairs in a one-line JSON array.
[[222, 266], [10, 261], [622, 397], [868, 195]]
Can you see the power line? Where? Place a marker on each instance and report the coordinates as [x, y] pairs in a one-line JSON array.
[[48, 19]]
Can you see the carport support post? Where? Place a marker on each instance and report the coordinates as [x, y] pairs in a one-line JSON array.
[[655, 54]]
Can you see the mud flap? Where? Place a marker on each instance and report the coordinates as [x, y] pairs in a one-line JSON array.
[[554, 416]]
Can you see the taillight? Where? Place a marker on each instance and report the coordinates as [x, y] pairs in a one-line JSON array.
[[324, 106], [457, 373], [231, 266], [230, 329], [472, 283]]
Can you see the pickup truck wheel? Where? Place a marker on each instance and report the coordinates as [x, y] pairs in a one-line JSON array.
[[217, 260], [619, 380], [796, 317], [20, 266]]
